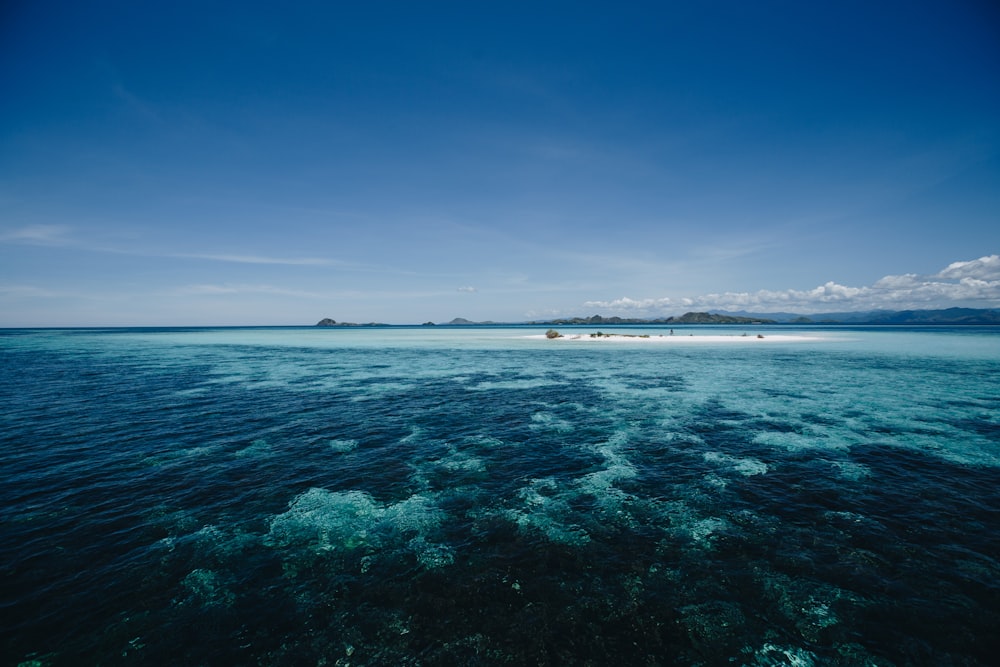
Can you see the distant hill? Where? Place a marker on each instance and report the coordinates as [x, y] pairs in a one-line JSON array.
[[686, 318], [461, 321], [941, 316], [717, 318]]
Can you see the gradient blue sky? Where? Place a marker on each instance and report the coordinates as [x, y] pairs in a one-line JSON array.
[[199, 163]]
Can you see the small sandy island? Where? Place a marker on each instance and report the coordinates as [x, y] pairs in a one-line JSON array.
[[677, 338]]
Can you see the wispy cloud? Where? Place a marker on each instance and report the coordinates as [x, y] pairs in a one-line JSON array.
[[60, 235], [30, 292], [227, 289], [467, 289], [974, 282], [37, 234], [244, 289], [340, 264], [135, 104], [259, 259]]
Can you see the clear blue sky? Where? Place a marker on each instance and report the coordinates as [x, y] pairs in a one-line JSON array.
[[257, 163]]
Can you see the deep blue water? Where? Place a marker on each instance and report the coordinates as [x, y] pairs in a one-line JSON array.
[[475, 497]]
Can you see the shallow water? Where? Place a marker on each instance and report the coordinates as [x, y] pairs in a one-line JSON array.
[[441, 496]]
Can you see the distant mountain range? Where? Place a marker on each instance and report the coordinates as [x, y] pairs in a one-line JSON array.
[[910, 317], [686, 318], [942, 316]]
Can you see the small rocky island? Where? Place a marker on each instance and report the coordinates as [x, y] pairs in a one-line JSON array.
[[330, 322]]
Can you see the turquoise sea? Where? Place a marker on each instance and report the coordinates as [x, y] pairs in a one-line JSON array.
[[484, 496]]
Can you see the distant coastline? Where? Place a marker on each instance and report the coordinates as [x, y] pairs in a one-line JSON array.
[[946, 316]]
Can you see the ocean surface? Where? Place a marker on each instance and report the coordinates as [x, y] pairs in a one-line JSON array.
[[484, 496]]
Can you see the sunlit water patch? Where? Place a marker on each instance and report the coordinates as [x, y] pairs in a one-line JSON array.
[[477, 496]]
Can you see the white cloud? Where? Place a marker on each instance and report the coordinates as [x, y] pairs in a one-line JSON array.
[[626, 303], [467, 289], [972, 283], [898, 282], [984, 268]]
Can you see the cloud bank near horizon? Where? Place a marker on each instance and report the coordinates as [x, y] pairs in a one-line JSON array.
[[974, 283]]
